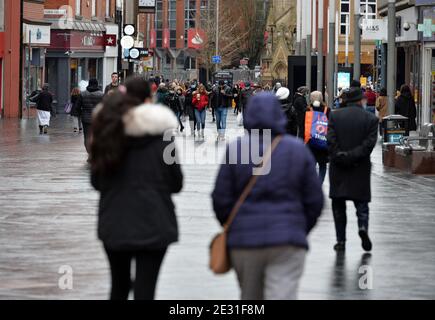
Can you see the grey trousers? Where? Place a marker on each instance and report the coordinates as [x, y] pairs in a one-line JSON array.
[[270, 273]]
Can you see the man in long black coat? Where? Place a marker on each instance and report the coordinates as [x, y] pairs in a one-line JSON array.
[[352, 136], [300, 104]]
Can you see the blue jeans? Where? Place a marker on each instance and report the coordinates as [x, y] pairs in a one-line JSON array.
[[371, 109], [200, 119], [340, 218], [323, 167], [221, 119]]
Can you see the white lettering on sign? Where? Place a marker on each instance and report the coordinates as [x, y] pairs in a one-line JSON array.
[[88, 41]]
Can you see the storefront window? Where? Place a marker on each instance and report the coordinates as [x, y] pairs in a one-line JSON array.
[[92, 68]]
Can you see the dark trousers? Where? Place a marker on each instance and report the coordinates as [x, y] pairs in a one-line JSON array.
[[87, 135], [340, 217], [147, 271]]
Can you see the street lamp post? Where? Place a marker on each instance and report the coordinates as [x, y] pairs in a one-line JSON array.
[[331, 53], [391, 67], [298, 27], [357, 41], [217, 31], [320, 48], [308, 44]]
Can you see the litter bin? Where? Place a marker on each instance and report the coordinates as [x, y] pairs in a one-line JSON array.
[[395, 128]]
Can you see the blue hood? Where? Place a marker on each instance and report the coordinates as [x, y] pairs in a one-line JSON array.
[[264, 112]]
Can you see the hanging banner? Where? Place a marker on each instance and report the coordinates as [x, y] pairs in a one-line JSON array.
[[166, 38], [153, 39], [196, 38]]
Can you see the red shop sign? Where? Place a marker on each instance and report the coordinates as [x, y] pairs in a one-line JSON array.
[[77, 41]]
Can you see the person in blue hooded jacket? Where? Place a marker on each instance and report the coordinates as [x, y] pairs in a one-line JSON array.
[[268, 238]]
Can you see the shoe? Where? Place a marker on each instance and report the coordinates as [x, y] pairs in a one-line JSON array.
[[366, 243], [202, 134], [45, 129], [340, 247], [75, 130]]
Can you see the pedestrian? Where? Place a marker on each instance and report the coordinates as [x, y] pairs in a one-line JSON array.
[[173, 102], [267, 240], [236, 98], [405, 106], [352, 136], [113, 85], [371, 100], [138, 88], [300, 104], [200, 103], [182, 100], [213, 98], [224, 98], [75, 112], [189, 108], [162, 93], [247, 93], [316, 128], [277, 86], [86, 105], [44, 101], [382, 107], [283, 95], [136, 218]]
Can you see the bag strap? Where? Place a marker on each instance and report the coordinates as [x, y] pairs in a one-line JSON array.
[[267, 157]]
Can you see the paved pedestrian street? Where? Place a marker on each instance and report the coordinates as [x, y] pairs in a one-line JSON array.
[[48, 221]]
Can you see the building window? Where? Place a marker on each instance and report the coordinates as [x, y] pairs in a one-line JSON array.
[[344, 16], [108, 4], [368, 9], [78, 7], [94, 8]]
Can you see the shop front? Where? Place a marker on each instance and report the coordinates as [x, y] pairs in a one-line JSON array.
[[36, 38], [73, 58], [426, 29]]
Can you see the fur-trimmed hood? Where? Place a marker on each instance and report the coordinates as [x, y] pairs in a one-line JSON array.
[[149, 120]]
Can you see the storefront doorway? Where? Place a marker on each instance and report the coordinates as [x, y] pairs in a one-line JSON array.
[[428, 92]]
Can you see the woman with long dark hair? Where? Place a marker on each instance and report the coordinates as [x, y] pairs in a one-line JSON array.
[[75, 112], [129, 167], [405, 106]]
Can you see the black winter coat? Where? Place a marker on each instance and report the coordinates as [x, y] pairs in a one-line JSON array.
[[136, 211], [352, 136], [300, 104], [75, 112], [220, 99], [173, 102], [188, 107], [291, 115], [405, 106], [43, 100], [87, 102]]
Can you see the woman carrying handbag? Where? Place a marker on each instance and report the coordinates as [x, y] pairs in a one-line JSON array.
[[266, 218]]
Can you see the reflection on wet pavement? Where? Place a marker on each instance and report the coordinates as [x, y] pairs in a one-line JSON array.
[[48, 216]]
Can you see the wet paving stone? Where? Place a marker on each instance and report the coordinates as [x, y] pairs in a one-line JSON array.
[[48, 220]]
